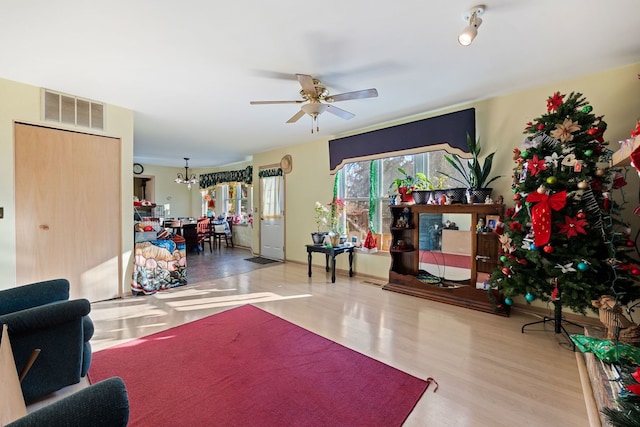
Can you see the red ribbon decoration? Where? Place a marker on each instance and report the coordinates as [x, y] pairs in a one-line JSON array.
[[541, 214]]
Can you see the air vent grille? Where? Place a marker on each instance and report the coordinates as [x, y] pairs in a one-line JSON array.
[[61, 108]]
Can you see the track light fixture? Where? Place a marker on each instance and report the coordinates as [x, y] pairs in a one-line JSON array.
[[472, 18]]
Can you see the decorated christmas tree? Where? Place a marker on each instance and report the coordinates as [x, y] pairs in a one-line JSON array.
[[565, 241]]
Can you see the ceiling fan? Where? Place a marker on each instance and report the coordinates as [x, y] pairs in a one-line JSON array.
[[313, 94]]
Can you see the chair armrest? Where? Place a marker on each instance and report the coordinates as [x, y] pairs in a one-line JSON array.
[[33, 295], [104, 404], [46, 316]]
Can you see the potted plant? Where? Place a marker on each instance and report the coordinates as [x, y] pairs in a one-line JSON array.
[[475, 175], [405, 185], [321, 219], [328, 216]]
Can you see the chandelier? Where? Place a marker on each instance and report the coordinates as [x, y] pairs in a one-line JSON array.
[[186, 178]]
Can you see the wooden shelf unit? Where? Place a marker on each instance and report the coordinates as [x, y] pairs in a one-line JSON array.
[[405, 261]]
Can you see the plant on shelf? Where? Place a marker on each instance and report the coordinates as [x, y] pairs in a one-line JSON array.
[[475, 175], [405, 185]]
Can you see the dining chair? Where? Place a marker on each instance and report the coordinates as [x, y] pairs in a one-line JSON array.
[[204, 233], [190, 235], [221, 231]]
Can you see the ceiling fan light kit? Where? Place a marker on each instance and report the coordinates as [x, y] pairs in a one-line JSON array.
[[313, 94], [472, 18]]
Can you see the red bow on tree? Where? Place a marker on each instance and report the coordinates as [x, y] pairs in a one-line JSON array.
[[541, 214]]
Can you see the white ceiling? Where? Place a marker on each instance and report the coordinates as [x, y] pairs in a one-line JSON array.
[[189, 69]]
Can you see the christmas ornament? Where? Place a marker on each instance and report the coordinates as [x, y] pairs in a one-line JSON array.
[[635, 271], [564, 131], [533, 247], [606, 203], [506, 271], [503, 258], [548, 249], [573, 226], [536, 165], [508, 301], [567, 268], [569, 160], [600, 172], [583, 266], [588, 153], [587, 109], [552, 180], [554, 102], [524, 154], [630, 243], [583, 185], [555, 294], [541, 214], [529, 297], [581, 215]]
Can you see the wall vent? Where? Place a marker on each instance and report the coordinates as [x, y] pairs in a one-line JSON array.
[[61, 108]]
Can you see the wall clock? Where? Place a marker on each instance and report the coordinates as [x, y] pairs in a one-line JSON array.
[[137, 168]]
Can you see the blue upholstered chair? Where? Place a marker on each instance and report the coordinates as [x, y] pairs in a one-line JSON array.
[[104, 404], [40, 315]]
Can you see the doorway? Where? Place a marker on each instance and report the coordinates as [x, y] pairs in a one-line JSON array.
[[272, 217]]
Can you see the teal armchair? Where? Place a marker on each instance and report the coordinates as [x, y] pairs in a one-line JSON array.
[[40, 315], [104, 404]]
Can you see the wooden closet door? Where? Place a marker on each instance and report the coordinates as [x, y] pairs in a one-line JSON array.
[[68, 220]]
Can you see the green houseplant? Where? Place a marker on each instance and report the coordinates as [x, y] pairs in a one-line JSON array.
[[406, 184], [475, 174]]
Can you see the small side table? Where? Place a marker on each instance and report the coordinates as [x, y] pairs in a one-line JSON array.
[[331, 253]]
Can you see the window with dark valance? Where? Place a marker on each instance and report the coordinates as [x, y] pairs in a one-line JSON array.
[[446, 132], [243, 176]]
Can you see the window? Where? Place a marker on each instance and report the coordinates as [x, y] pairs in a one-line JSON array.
[[237, 200], [366, 185]]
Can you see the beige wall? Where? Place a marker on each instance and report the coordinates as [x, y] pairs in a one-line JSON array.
[[500, 122], [21, 102]]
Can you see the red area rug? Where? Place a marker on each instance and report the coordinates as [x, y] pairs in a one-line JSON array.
[[246, 367]]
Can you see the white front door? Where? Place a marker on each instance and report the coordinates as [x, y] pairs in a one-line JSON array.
[[272, 217]]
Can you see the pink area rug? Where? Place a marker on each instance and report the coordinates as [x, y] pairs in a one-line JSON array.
[[246, 367]]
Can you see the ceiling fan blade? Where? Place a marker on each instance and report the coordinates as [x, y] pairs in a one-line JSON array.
[[275, 102], [340, 112], [307, 85], [358, 94], [296, 117]]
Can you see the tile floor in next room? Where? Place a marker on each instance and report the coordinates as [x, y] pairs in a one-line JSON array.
[[489, 373]]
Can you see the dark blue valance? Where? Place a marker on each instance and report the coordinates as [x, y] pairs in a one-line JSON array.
[[445, 132], [243, 175], [266, 173]]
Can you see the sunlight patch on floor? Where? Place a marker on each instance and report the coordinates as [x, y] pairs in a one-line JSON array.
[[225, 301]]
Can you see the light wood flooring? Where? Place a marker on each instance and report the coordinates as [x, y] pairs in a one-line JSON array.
[[489, 373]]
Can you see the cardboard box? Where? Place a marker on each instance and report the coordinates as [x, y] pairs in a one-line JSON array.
[[622, 157]]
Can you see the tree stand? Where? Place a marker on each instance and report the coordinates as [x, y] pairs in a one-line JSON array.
[[557, 321]]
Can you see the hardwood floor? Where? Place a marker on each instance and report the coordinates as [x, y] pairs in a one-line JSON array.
[[489, 373]]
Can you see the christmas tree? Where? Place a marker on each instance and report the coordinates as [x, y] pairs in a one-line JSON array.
[[565, 241]]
